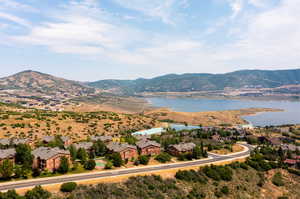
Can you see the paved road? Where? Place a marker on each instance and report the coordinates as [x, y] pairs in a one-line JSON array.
[[88, 176]]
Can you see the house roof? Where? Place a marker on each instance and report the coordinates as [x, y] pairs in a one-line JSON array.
[[104, 138], [274, 140], [46, 153], [65, 138], [7, 153], [290, 161], [182, 147], [48, 138], [5, 141], [118, 147], [84, 145], [17, 141], [145, 143]]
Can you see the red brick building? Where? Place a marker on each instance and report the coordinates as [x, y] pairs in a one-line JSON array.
[[125, 150], [46, 158], [178, 149], [7, 154], [147, 147]]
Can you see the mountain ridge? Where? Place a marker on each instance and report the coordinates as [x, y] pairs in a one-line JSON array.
[[203, 81]]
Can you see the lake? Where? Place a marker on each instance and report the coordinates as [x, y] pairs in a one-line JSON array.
[[291, 114]]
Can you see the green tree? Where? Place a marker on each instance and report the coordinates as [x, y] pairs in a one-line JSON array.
[[6, 169], [144, 159], [99, 148], [24, 156], [90, 165], [73, 152], [163, 157], [11, 194], [108, 165], [64, 165], [116, 159], [82, 155], [68, 187], [37, 193], [277, 179], [197, 153]]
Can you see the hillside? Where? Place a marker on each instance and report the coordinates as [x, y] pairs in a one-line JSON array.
[[16, 121], [204, 82], [36, 82]]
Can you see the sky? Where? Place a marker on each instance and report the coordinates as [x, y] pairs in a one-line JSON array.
[[89, 40]]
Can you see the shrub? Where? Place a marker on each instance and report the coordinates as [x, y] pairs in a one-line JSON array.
[[190, 176], [243, 165], [68, 187], [163, 157], [196, 194], [277, 179], [108, 165], [116, 159], [225, 190], [144, 159], [90, 165], [37, 193]]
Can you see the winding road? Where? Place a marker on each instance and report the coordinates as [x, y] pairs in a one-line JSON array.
[[213, 158]]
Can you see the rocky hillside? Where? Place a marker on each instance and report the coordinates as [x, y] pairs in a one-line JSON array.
[[204, 82], [36, 82]]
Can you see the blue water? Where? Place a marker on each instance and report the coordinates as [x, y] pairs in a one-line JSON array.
[[291, 114]]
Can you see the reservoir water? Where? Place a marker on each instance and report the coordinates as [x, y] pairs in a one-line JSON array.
[[290, 115]]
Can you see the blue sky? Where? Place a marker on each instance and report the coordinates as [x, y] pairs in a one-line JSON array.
[[100, 39]]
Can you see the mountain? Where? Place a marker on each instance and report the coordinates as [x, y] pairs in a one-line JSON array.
[[204, 81], [35, 82]]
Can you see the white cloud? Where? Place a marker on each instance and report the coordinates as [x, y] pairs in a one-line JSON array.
[[165, 10], [11, 4], [14, 19]]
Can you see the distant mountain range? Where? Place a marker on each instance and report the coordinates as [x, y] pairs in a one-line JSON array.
[[203, 81], [36, 82]]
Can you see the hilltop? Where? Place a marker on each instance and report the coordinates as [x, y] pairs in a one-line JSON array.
[[36, 82]]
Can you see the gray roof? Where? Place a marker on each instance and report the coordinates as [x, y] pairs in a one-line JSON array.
[[290, 147], [45, 153], [182, 147], [118, 147], [146, 143], [19, 141], [104, 138], [5, 141], [48, 138], [7, 153], [142, 137], [65, 138], [84, 145]]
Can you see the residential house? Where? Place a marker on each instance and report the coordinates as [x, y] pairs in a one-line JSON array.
[[48, 139], [148, 147], [290, 147], [275, 141], [84, 145], [46, 158], [142, 137], [7, 154], [65, 139], [178, 149], [126, 151], [5, 142], [18, 141]]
